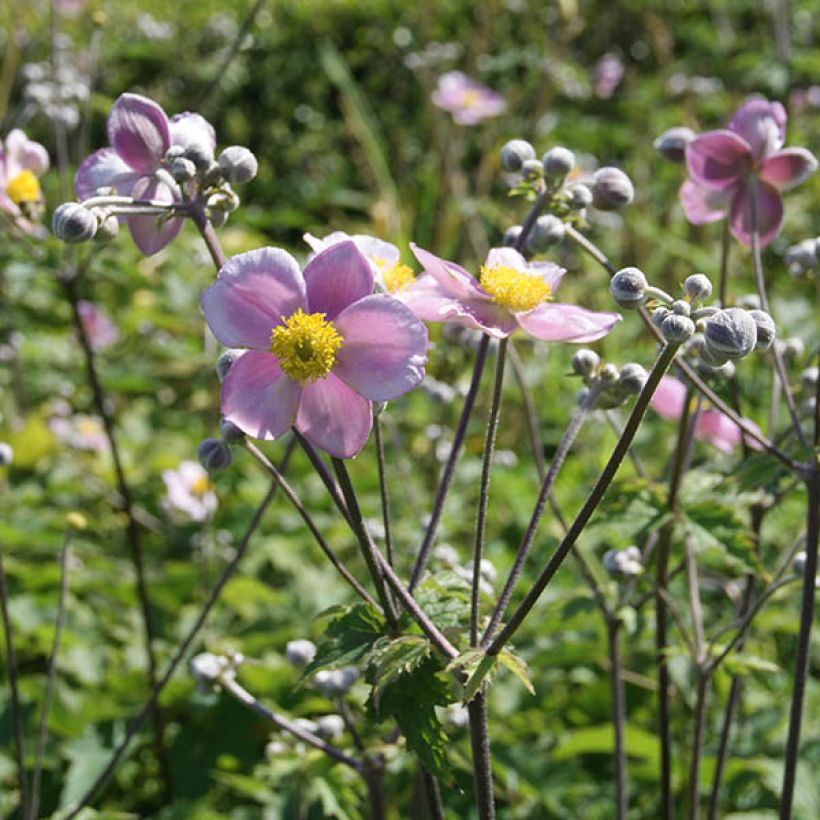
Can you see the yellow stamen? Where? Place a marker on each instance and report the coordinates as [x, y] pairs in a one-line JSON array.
[[89, 427], [201, 486], [394, 276], [306, 345], [23, 188], [514, 289], [470, 98]]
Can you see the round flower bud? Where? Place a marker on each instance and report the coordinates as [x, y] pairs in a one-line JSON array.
[[801, 257], [207, 668], [658, 315], [511, 235], [514, 154], [330, 727], [793, 348], [183, 169], [628, 287], [6, 454], [300, 653], [677, 328], [238, 164], [612, 189], [201, 154], [224, 362], [108, 225], [585, 361], [681, 307], [214, 454], [672, 143], [230, 432], [558, 162], [548, 230], [73, 223], [766, 329], [730, 333], [608, 373], [697, 287], [532, 169], [333, 683], [808, 378], [633, 378], [173, 152], [580, 196]]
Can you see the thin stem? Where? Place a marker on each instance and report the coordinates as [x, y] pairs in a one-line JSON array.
[[140, 718], [662, 364], [385, 499], [323, 472], [725, 248], [433, 794], [697, 743], [51, 677], [484, 486], [206, 230], [482, 767], [449, 468], [618, 716], [617, 428]]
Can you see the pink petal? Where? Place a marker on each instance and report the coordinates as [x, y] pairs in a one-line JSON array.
[[452, 278], [551, 322], [788, 168], [23, 154], [769, 213], [334, 417], [189, 129], [258, 397], [103, 169], [151, 233], [718, 430], [762, 125], [138, 131], [669, 397], [718, 159], [385, 348], [337, 277], [702, 205], [252, 294], [426, 299]]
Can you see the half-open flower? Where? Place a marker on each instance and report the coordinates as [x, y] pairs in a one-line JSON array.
[[509, 294], [321, 346], [22, 163]]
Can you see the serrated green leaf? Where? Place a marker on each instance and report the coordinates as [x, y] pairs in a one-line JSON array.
[[485, 670], [389, 660], [348, 638], [518, 666]]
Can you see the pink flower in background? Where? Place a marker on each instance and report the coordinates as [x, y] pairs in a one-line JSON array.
[[468, 101], [101, 331], [140, 135], [321, 346], [510, 294], [607, 76], [189, 490], [726, 166], [22, 163], [711, 425], [80, 431]]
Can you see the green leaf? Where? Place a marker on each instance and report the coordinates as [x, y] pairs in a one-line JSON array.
[[518, 666], [601, 740], [349, 637], [389, 660], [486, 669], [740, 663]]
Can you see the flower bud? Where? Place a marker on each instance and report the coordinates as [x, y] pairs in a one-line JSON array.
[[307, 725], [677, 328], [224, 362], [623, 562], [200, 153], [183, 169], [330, 727], [300, 653], [681, 307], [793, 348], [214, 454], [809, 378], [799, 563], [766, 329], [547, 230], [632, 378], [207, 668], [511, 235], [335, 682], [580, 196], [730, 333], [628, 287], [514, 154], [585, 361], [73, 223], [230, 432], [672, 143], [558, 162], [801, 257], [612, 189], [532, 169], [238, 164], [6, 454], [608, 373], [697, 287], [658, 315]]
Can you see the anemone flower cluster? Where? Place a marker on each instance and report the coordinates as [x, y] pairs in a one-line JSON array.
[[468, 101], [22, 163]]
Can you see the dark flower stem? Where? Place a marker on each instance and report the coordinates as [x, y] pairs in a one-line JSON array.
[[385, 499], [433, 794], [697, 743], [206, 230], [482, 768], [324, 474], [618, 715], [725, 247]]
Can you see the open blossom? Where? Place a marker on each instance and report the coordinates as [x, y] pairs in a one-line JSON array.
[[711, 425], [135, 165], [389, 273], [22, 163], [509, 294], [727, 168], [189, 490], [468, 101], [101, 331], [79, 431], [321, 346], [609, 72]]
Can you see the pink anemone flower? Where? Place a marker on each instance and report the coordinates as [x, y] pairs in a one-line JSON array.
[[469, 102], [135, 165], [321, 346], [101, 331], [711, 425], [509, 294], [728, 167], [22, 163]]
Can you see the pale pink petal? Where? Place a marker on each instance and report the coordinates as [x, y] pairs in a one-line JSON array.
[[426, 299], [669, 398], [718, 159], [769, 213], [337, 277], [788, 168], [258, 397], [718, 430], [385, 348], [453, 279], [152, 233], [762, 125], [23, 154], [104, 169], [702, 205], [252, 295], [334, 417], [138, 131], [551, 322], [189, 129]]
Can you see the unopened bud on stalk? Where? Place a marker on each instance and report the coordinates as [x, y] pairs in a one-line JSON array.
[[6, 454], [658, 315], [766, 329], [73, 223], [681, 307], [224, 362], [207, 668], [200, 153], [238, 164], [511, 235], [623, 562], [335, 682], [173, 152], [608, 373], [230, 432], [585, 361], [183, 169], [632, 378], [514, 154], [532, 169], [612, 189], [214, 454], [672, 143], [330, 727], [580, 196], [628, 287], [730, 334], [677, 329], [802, 257], [558, 162], [697, 287], [300, 653], [548, 230]]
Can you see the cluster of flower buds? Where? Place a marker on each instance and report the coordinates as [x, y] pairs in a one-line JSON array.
[[623, 562], [672, 143], [333, 683], [803, 258], [606, 385], [209, 669]]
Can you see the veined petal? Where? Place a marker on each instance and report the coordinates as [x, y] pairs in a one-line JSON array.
[[769, 213], [453, 279], [553, 322], [138, 131], [718, 159], [384, 350], [334, 416], [103, 169], [479, 314], [426, 298], [258, 397], [251, 295], [788, 168], [762, 125], [669, 398], [152, 233], [188, 129], [23, 154], [702, 205], [337, 277]]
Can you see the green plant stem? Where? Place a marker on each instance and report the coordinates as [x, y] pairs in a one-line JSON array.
[[482, 768], [618, 715], [385, 499], [697, 743]]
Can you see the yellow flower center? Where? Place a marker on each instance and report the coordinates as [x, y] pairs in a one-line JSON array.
[[470, 98], [89, 427], [23, 188], [201, 486], [395, 276], [306, 345], [514, 289]]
